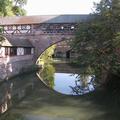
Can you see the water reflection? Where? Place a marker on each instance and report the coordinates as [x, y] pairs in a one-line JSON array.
[[66, 82], [47, 75], [84, 84], [14, 90]]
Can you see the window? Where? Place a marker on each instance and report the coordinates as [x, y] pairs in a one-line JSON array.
[[14, 27], [28, 27], [7, 51], [5, 28], [27, 51], [13, 51], [72, 27], [2, 51], [20, 51], [32, 51], [62, 27], [10, 27], [19, 27]]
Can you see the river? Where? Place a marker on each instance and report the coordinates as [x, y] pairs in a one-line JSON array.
[[56, 92]]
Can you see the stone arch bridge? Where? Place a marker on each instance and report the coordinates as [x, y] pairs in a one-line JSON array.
[[42, 31], [28, 36]]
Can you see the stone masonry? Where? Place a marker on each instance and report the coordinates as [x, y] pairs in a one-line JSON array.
[[41, 31]]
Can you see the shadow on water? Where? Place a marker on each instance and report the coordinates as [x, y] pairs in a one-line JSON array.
[[43, 101]]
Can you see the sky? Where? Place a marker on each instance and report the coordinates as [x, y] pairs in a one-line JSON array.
[[57, 7]]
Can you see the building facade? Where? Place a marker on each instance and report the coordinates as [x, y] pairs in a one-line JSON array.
[[16, 55]]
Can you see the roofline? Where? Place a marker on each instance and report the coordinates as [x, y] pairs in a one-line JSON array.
[[18, 46], [33, 19]]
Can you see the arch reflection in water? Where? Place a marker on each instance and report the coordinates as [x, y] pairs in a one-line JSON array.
[[67, 83], [47, 75]]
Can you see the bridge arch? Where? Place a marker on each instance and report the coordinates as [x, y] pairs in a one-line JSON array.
[[63, 39], [38, 33]]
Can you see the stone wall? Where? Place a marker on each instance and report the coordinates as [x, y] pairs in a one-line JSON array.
[[12, 66]]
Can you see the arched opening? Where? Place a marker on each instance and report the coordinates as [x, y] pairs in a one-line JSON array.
[[57, 50], [58, 73]]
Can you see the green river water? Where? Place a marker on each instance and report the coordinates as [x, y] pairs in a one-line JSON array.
[[46, 96]]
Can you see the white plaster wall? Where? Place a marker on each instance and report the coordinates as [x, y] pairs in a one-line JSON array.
[[2, 52], [11, 66]]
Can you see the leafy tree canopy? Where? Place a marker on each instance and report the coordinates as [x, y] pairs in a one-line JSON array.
[[97, 41], [12, 7]]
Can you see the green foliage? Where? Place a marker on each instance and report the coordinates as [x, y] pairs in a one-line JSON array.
[[12, 7], [97, 41], [6, 8], [46, 56], [1, 29], [18, 7], [48, 75], [116, 40]]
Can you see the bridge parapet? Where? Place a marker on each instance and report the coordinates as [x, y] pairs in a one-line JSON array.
[[43, 24]]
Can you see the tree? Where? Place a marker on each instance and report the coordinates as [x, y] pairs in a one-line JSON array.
[[12, 7], [6, 8], [97, 40], [18, 7]]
